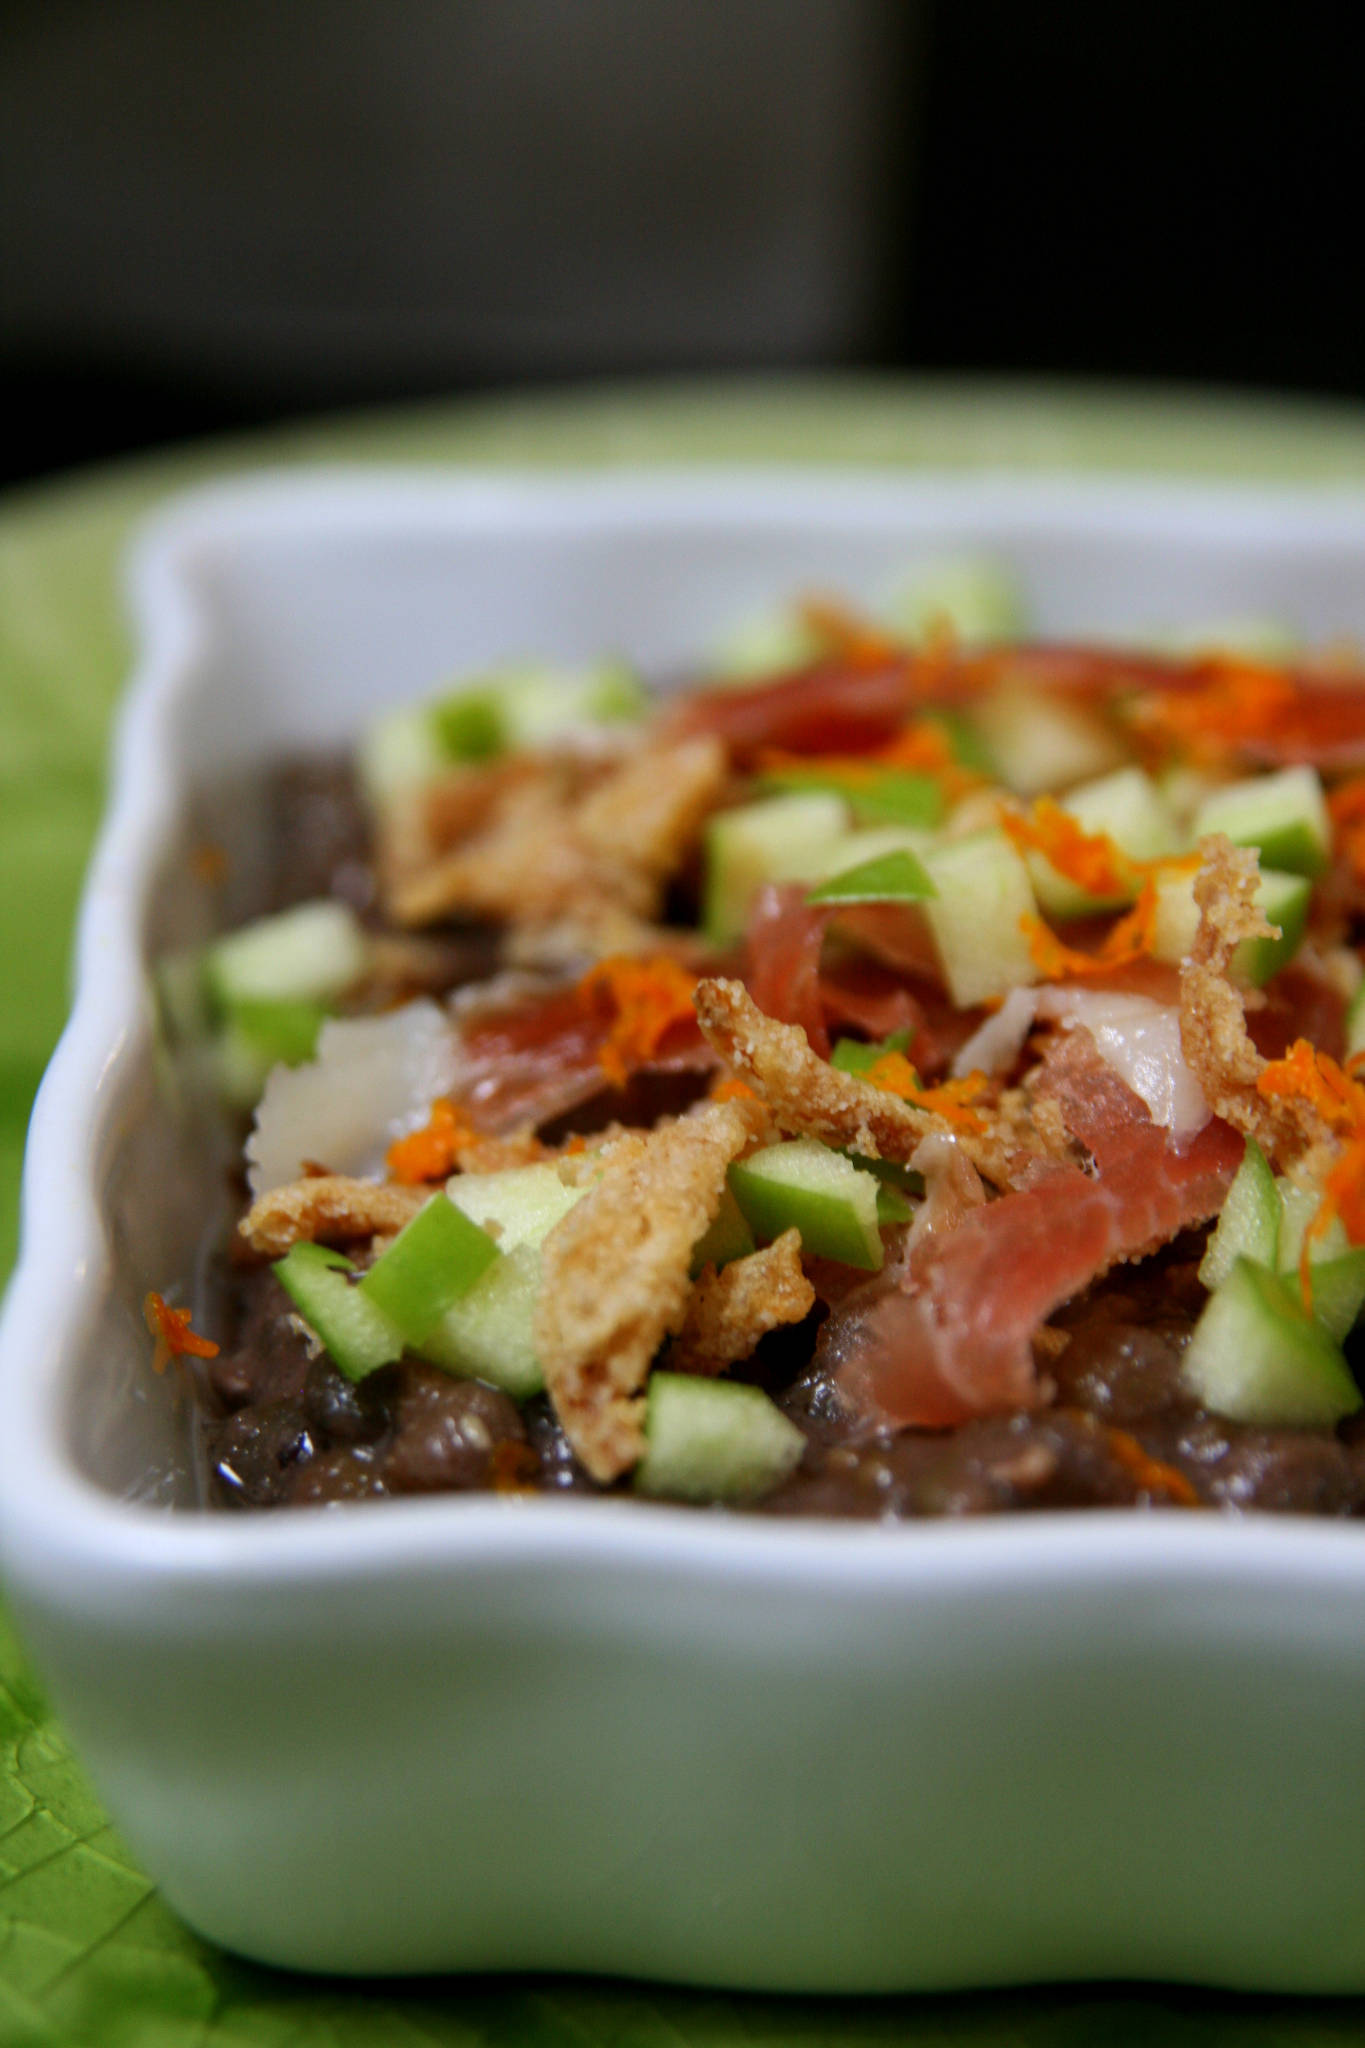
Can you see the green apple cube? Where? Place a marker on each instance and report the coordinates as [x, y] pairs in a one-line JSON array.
[[1298, 1207], [894, 796], [782, 839], [805, 1184], [1284, 815], [1255, 1357], [490, 1334], [432, 1262], [715, 1440], [978, 916], [977, 599], [1043, 741], [1282, 899], [727, 1237], [1355, 1023], [898, 877], [531, 705], [309, 954], [398, 752], [1338, 1290], [357, 1334], [1128, 808], [518, 1205], [1249, 1224]]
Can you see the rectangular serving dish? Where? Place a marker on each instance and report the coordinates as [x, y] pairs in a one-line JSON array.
[[483, 1733]]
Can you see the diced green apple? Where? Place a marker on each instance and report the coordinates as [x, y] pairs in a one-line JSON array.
[[490, 1334], [805, 1184], [1255, 1357], [517, 1205], [1283, 815], [309, 954], [1130, 810], [357, 1334], [1282, 898], [1040, 741], [432, 1263], [1249, 1224], [726, 1238], [782, 839], [1338, 1290], [978, 916], [714, 1440]]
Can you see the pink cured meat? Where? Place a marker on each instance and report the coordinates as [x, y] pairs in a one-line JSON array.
[[782, 973], [782, 959], [949, 1336]]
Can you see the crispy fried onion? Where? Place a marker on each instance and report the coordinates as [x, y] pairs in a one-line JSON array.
[[807, 1095], [1213, 1031], [547, 847], [615, 1275], [731, 1309], [328, 1208]]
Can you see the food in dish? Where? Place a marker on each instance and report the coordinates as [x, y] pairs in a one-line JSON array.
[[910, 1073]]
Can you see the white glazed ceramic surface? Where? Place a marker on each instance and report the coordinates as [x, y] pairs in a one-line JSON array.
[[481, 1733]]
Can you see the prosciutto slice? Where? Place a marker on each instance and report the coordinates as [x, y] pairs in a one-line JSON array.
[[841, 707], [949, 1334], [535, 1055]]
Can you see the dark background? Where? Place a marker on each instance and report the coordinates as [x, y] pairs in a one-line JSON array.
[[215, 213]]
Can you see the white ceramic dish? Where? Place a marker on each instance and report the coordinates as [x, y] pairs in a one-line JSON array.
[[483, 1734]]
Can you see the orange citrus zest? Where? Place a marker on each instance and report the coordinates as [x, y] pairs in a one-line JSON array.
[[171, 1329], [921, 747], [728, 1089], [1317, 1079], [1347, 807], [847, 637], [431, 1153], [1090, 860], [1229, 703], [1151, 1474], [643, 1000], [949, 1099]]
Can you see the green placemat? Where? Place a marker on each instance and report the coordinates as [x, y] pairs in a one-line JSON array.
[[87, 1952]]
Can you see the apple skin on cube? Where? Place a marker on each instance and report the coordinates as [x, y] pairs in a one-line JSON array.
[[818, 1191], [430, 1265]]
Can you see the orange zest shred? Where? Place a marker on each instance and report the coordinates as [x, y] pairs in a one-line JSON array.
[[1316, 1078], [171, 1329], [1128, 939], [1346, 805], [431, 1153], [642, 999], [729, 1089], [1228, 704], [949, 1099], [846, 636], [921, 747], [1151, 1475], [1090, 860]]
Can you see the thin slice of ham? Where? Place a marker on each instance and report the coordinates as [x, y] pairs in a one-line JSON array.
[[949, 1335], [839, 707], [782, 946], [534, 1054], [785, 975]]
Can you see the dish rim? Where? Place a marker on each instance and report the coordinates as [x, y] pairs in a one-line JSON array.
[[59, 1525]]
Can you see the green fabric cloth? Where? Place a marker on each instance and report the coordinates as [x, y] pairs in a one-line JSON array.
[[87, 1952]]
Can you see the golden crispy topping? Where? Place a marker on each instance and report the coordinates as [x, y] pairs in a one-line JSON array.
[[615, 1275], [328, 1209], [731, 1309]]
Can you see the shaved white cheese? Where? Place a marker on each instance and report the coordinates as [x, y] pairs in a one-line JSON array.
[[996, 1044], [374, 1079], [1140, 1040]]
